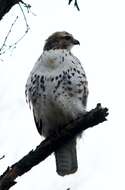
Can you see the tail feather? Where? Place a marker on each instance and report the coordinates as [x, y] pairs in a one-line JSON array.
[[66, 158]]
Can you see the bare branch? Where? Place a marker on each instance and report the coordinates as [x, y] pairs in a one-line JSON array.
[[28, 6], [2, 50], [27, 26], [51, 144], [75, 4], [6, 5], [2, 157]]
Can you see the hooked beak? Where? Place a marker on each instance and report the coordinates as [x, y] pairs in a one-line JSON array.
[[76, 42]]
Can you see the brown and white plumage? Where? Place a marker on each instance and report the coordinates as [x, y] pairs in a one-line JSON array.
[[57, 90]]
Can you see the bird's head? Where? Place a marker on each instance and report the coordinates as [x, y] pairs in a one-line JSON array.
[[60, 40]]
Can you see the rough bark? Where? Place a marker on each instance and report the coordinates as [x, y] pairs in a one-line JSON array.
[[49, 145]]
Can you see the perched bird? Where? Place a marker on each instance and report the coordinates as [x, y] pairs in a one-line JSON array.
[[57, 89]]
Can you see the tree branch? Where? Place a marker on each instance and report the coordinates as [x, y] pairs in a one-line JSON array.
[[2, 157], [75, 4], [50, 144], [4, 48], [6, 5]]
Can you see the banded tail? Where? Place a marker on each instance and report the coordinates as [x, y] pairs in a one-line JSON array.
[[66, 158]]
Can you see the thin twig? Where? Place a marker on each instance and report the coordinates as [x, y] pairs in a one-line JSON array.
[[2, 51], [27, 26], [28, 6], [4, 48], [75, 4], [70, 1], [26, 31], [13, 46], [2, 157]]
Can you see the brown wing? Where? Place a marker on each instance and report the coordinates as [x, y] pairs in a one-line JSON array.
[[38, 123], [85, 95]]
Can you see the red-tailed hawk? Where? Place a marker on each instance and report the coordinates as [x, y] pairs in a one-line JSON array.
[[57, 90]]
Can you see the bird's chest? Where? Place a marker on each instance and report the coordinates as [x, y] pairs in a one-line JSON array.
[[66, 76], [66, 81], [56, 76]]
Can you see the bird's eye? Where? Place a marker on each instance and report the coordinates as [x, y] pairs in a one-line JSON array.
[[68, 37]]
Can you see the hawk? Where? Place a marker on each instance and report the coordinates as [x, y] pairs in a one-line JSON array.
[[57, 90]]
